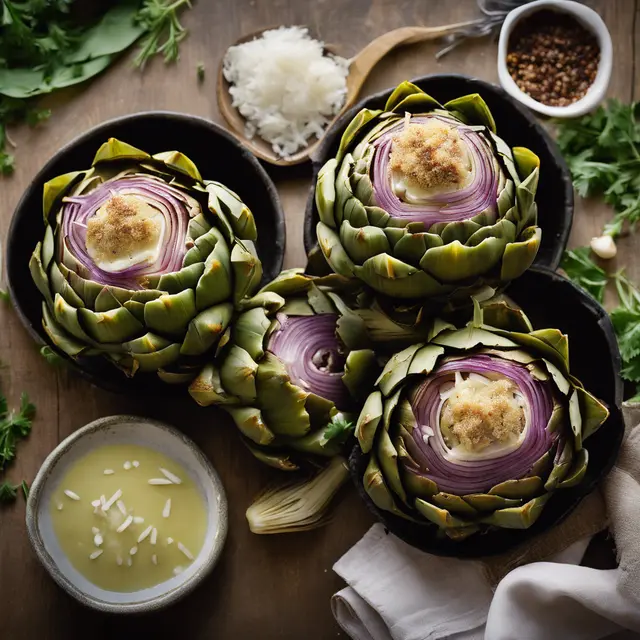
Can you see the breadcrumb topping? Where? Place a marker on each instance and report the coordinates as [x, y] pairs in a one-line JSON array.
[[430, 155], [481, 415], [121, 227]]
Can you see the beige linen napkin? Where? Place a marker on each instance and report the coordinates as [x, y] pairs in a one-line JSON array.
[[398, 593]]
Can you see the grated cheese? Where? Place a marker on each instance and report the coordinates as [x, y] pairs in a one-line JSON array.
[[71, 494], [285, 86], [169, 540], [108, 472], [133, 551], [138, 519], [170, 476], [60, 506], [154, 535], [136, 464], [166, 512], [97, 540], [160, 481], [95, 554], [127, 465], [95, 503]]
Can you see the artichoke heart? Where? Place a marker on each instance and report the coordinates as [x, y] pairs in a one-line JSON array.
[[140, 264]]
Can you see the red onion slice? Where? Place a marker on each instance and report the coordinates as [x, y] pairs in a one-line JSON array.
[[462, 477], [169, 201], [310, 350], [479, 195]]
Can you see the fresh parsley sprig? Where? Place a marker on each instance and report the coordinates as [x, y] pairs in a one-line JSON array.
[[602, 150], [625, 318]]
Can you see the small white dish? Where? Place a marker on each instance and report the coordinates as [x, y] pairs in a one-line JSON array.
[[592, 21], [147, 433]]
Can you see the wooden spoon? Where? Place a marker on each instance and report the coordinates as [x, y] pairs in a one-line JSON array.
[[360, 67]]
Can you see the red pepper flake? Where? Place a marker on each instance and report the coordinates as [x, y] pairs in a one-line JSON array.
[[553, 58]]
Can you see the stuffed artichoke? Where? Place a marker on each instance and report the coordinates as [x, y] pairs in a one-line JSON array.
[[424, 200], [142, 261], [290, 370], [478, 426]]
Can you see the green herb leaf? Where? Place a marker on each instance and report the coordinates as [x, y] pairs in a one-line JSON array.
[[338, 430], [602, 150], [581, 269], [200, 71], [14, 426], [25, 489], [159, 18], [8, 492]]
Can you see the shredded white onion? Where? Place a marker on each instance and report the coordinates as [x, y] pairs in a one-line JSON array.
[[285, 87]]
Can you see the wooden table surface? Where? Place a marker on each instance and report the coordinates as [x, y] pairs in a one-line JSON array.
[[264, 587]]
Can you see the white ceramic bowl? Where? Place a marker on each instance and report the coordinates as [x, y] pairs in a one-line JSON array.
[[592, 21], [147, 433]]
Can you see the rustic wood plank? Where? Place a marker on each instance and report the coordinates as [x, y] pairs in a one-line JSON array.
[[264, 587]]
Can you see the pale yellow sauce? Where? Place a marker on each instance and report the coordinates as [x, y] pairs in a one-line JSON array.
[[75, 524]]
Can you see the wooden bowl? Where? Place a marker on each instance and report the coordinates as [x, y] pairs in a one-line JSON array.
[[550, 300], [218, 156], [516, 126]]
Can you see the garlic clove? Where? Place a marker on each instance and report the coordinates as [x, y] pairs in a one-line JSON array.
[[604, 247]]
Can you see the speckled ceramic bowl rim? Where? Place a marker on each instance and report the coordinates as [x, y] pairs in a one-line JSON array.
[[146, 606]]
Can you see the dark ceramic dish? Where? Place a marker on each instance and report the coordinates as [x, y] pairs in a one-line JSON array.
[[516, 126], [550, 301], [218, 156]]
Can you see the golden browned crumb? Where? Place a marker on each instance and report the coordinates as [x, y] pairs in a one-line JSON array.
[[481, 415], [120, 228], [430, 155]]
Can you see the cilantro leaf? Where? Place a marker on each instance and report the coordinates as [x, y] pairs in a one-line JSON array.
[[581, 269]]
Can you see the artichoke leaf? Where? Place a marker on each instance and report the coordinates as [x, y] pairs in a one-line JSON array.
[[396, 370], [522, 488], [518, 517], [250, 423], [360, 371], [177, 161], [206, 328], [116, 325], [377, 489], [249, 331], [238, 373], [594, 413], [325, 195], [114, 149], [454, 504], [171, 314], [333, 251], [206, 389], [473, 109], [519, 256], [355, 128], [368, 421], [282, 403], [438, 516]]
